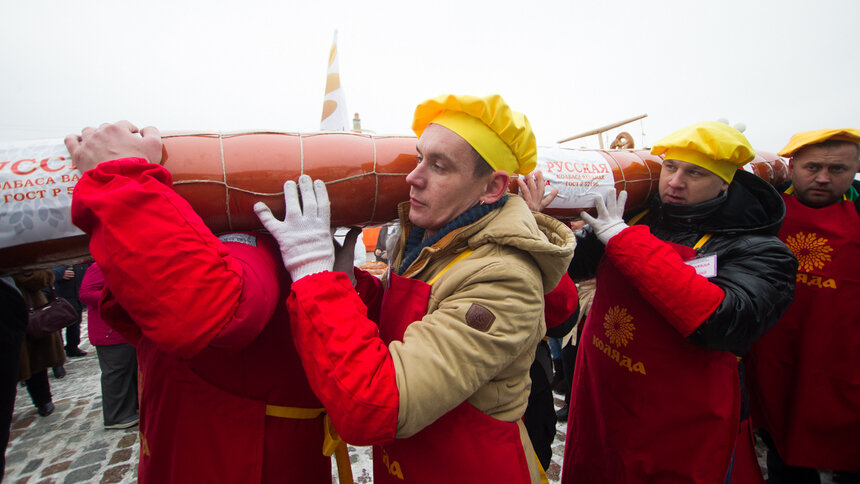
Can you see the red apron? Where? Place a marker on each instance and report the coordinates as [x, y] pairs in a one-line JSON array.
[[465, 444], [647, 405], [805, 372]]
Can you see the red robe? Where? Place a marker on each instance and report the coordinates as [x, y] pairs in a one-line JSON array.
[[208, 319]]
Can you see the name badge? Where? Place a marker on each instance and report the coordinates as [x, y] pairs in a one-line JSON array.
[[705, 266]]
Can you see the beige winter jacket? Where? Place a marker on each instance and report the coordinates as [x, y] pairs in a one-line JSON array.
[[484, 318]]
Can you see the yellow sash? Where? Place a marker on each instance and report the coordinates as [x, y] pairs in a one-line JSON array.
[[332, 444]]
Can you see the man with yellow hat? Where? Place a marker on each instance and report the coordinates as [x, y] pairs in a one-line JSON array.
[[805, 373], [431, 366], [682, 288], [223, 396]]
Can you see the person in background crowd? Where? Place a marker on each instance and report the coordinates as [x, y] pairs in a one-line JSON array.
[[117, 358], [13, 322], [538, 200], [67, 283], [555, 345], [38, 354], [585, 289], [561, 314], [440, 385], [683, 289], [208, 319], [805, 373], [381, 250]]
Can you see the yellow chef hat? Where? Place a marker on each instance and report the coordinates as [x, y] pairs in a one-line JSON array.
[[714, 146], [504, 138], [807, 138]]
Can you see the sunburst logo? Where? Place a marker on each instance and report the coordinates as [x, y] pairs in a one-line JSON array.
[[812, 252], [619, 328]]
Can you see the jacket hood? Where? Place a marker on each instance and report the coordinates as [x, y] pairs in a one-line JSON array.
[[750, 205], [548, 241]]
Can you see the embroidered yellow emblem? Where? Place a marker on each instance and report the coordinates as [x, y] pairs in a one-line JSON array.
[[619, 328], [812, 252]]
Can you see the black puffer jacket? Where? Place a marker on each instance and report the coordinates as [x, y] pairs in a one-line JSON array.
[[754, 268]]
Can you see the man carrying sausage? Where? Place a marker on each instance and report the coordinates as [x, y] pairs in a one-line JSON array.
[[223, 397], [805, 373], [431, 365], [682, 290]]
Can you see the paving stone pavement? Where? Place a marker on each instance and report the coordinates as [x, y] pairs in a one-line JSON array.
[[70, 445]]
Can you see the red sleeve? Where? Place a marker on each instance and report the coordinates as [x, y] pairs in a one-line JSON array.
[[165, 268], [347, 364], [263, 277], [561, 302], [672, 287]]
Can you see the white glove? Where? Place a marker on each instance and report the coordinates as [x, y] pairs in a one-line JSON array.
[[609, 221], [304, 236]]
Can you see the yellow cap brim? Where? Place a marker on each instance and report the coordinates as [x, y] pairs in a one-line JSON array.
[[806, 138], [485, 141], [722, 169]]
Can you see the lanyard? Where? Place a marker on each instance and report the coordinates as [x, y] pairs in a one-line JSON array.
[[699, 243]]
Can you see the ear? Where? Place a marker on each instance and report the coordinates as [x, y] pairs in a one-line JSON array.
[[724, 186], [497, 186]]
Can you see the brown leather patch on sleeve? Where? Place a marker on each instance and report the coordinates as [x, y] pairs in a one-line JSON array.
[[480, 318]]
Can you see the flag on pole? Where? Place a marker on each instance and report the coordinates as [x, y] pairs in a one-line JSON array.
[[334, 115]]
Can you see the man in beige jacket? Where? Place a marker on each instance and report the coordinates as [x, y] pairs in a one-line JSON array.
[[431, 365]]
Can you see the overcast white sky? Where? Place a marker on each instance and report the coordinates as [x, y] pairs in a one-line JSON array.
[[779, 66]]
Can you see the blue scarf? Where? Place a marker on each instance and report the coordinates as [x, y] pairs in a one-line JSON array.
[[414, 242]]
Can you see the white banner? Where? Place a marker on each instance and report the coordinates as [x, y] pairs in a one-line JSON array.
[[36, 183], [334, 116], [578, 175]]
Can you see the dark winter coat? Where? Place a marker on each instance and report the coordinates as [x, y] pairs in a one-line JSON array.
[[755, 269], [69, 289], [43, 353], [13, 320]]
